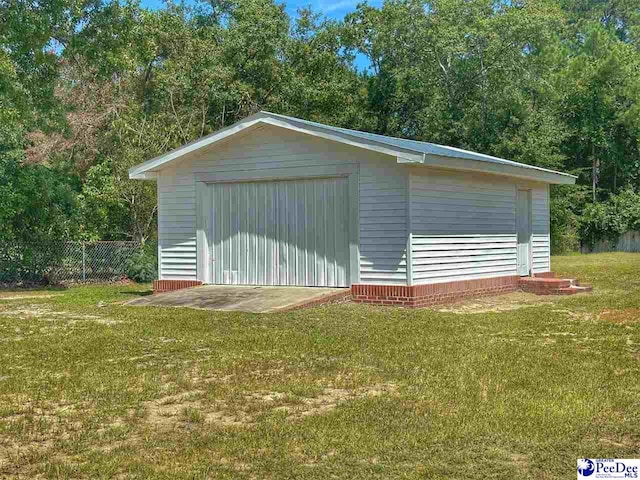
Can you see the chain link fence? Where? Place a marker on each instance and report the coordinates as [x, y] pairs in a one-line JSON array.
[[66, 262]]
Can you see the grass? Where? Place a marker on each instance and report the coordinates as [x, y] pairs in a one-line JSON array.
[[517, 386]]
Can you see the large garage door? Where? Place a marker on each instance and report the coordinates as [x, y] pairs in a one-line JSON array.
[[290, 232]]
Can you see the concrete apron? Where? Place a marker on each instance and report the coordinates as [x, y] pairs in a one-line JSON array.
[[238, 298]]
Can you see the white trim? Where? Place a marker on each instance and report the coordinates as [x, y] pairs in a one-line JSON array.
[[204, 224], [346, 139], [409, 254], [354, 227], [515, 170], [285, 173], [203, 232], [139, 171], [159, 246]]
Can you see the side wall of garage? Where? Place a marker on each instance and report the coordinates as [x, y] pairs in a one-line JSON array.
[[463, 226], [382, 191]]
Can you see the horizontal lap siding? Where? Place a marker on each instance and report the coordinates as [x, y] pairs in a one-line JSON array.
[[383, 221], [463, 227], [541, 249], [382, 191], [176, 226]]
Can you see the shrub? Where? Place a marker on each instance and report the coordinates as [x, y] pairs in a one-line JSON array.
[[142, 267], [564, 218], [608, 220]]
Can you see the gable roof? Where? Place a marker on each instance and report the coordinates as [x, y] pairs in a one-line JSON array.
[[406, 151]]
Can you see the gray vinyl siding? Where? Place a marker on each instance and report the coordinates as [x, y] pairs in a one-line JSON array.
[[382, 192], [383, 221], [462, 225], [176, 226]]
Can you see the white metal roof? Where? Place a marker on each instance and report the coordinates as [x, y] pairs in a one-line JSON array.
[[406, 151]]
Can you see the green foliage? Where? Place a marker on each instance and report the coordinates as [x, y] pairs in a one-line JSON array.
[[89, 88], [564, 222], [598, 88], [608, 220], [37, 203], [142, 267]]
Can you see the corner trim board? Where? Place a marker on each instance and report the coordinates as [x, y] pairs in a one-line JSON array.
[[409, 247], [203, 229], [354, 226]]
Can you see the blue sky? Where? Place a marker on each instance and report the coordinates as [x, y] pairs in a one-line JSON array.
[[335, 9], [331, 8]]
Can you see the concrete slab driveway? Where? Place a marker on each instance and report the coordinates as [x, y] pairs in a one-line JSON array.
[[238, 297]]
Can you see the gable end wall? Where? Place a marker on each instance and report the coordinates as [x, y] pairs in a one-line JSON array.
[[382, 197]]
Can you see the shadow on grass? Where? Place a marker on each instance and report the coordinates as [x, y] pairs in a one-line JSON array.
[[32, 288], [143, 293]]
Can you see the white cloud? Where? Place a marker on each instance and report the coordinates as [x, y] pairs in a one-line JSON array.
[[328, 7]]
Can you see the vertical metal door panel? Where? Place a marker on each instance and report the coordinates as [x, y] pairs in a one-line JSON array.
[[523, 223], [289, 232]]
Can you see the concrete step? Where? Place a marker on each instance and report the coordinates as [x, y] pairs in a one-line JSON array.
[[545, 275], [550, 285], [538, 282], [572, 290]]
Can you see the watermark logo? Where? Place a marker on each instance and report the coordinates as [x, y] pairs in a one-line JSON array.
[[609, 468], [586, 467]]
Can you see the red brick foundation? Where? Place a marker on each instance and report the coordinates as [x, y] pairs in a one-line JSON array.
[[161, 286], [332, 298], [433, 294]]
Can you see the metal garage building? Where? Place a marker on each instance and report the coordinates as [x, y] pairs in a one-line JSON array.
[[274, 200]]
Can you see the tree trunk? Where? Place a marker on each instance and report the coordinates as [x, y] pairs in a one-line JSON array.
[[594, 172]]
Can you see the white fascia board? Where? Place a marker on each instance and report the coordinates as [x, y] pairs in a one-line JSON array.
[[143, 176], [525, 172]]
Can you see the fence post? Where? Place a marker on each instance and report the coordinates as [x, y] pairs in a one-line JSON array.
[[84, 262]]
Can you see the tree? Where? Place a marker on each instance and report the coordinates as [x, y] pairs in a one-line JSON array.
[[469, 74], [88, 88], [598, 87]]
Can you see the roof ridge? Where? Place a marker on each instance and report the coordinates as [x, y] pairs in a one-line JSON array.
[[406, 150]]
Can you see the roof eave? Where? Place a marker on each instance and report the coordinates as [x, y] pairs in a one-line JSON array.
[[155, 164], [516, 171], [138, 171], [148, 170]]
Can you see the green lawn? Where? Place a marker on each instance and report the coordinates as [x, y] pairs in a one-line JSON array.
[[514, 387]]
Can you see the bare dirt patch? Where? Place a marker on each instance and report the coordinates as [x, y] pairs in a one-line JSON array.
[[178, 411], [497, 304], [40, 425], [8, 297], [625, 442], [42, 313], [520, 461], [626, 316], [330, 398], [578, 315], [188, 409]]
